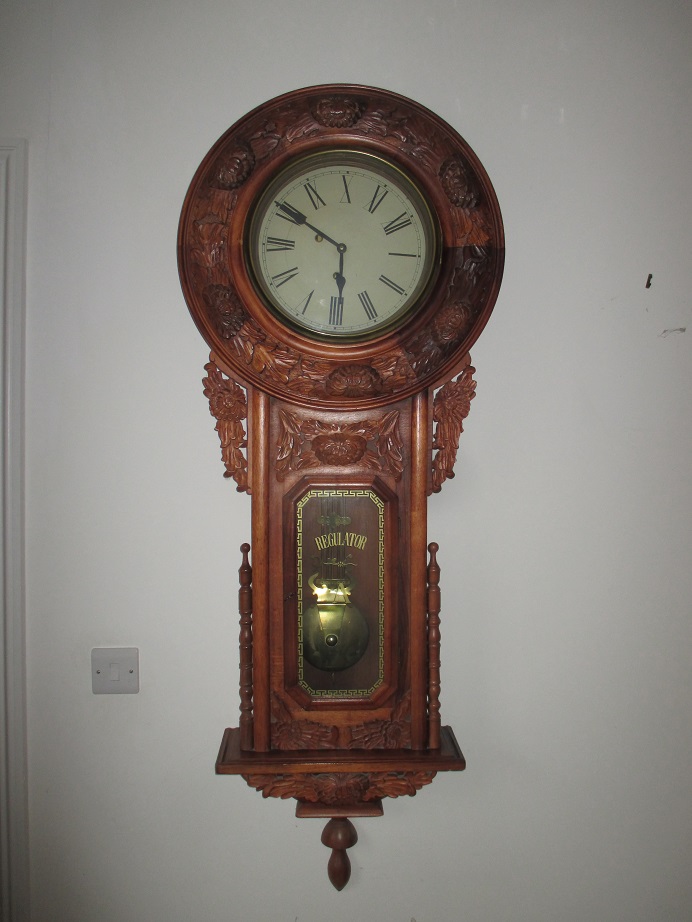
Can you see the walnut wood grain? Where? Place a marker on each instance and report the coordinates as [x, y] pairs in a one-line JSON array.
[[420, 448], [259, 484], [245, 611], [434, 605]]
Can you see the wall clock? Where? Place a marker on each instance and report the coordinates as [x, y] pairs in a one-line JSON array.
[[340, 249]]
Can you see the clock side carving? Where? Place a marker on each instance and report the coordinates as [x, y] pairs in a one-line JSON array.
[[309, 443], [450, 408], [228, 405]]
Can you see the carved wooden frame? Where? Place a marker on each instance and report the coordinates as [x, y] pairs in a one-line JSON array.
[[253, 346]]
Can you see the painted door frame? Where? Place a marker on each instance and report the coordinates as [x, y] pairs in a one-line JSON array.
[[14, 813]]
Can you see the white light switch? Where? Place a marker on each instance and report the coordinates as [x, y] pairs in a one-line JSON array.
[[115, 670]]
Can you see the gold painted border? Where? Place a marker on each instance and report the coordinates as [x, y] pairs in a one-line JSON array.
[[316, 493]]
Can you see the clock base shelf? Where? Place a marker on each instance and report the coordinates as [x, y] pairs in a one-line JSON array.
[[232, 760], [338, 784]]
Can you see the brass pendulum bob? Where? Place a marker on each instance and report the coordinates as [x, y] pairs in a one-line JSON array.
[[335, 633]]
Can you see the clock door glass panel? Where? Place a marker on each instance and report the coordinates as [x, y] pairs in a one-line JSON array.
[[340, 561]]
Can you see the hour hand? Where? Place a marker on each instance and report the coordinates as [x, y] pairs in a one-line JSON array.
[[297, 217], [292, 213]]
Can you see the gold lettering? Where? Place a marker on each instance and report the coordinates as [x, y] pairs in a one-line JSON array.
[[340, 539]]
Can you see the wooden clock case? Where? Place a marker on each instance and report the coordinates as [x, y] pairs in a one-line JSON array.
[[302, 417]]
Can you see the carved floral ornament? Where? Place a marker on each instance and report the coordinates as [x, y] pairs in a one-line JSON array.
[[291, 734], [223, 300], [336, 788], [451, 406], [228, 405], [306, 442]]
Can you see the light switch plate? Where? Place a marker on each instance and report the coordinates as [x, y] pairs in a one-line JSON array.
[[115, 670]]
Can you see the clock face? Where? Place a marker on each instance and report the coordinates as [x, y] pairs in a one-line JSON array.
[[342, 245]]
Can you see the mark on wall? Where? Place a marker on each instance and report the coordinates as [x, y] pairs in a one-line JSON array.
[[675, 330]]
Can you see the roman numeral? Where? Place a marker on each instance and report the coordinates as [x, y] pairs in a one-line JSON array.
[[336, 311], [307, 301], [346, 197], [285, 276], [377, 199], [275, 244], [315, 198], [397, 223], [393, 285], [368, 306]]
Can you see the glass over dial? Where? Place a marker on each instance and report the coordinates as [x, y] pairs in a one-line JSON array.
[[342, 245]]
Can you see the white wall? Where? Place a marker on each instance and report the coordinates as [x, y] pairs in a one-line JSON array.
[[566, 535]]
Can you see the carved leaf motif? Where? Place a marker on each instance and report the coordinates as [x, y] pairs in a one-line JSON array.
[[228, 405], [396, 370], [389, 446], [398, 784], [288, 733], [308, 377], [209, 247], [385, 734], [304, 734], [283, 786], [265, 140], [304, 127], [264, 354], [450, 408], [327, 788], [340, 788], [290, 454], [376, 443]]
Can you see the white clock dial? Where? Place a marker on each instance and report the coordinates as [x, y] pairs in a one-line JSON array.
[[342, 245]]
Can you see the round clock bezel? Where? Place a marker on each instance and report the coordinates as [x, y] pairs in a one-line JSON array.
[[349, 157], [248, 340]]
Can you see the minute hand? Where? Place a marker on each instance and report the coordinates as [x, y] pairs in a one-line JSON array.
[[299, 218]]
